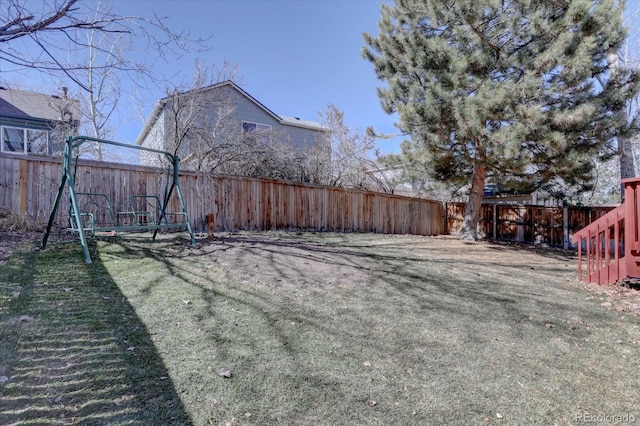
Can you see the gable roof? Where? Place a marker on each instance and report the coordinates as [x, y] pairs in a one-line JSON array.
[[23, 104], [286, 121]]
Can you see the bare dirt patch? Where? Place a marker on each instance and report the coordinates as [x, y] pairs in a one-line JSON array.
[[17, 232], [274, 258], [243, 255], [11, 242]]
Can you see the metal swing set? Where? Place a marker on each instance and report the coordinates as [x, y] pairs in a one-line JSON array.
[[93, 214]]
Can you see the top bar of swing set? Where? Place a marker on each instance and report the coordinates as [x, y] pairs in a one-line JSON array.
[[68, 177]]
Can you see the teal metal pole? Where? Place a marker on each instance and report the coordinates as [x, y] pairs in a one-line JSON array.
[[176, 183], [74, 201]]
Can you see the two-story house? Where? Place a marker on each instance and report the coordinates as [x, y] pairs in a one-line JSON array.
[[36, 123], [219, 114]]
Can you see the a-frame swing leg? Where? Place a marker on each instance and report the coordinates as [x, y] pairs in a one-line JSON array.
[[78, 219], [168, 190], [66, 177], [53, 212]]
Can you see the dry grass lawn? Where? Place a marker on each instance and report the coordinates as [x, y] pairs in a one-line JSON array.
[[312, 329]]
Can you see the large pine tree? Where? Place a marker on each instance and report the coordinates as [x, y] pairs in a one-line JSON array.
[[520, 92]]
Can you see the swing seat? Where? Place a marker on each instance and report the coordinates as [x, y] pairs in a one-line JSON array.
[[140, 214]]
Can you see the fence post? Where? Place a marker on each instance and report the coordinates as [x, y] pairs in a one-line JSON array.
[[494, 227], [22, 189], [210, 225], [565, 228], [521, 212], [445, 217]]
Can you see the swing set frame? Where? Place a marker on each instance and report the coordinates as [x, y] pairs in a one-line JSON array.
[[141, 213]]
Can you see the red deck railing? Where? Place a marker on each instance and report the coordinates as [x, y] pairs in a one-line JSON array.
[[608, 248]]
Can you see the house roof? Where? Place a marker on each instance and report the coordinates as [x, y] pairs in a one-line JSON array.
[[287, 121], [25, 104], [298, 122]]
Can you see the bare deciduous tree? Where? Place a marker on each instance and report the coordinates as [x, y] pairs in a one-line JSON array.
[[201, 127], [351, 162], [90, 45], [39, 40]]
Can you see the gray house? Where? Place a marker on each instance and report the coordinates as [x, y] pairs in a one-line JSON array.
[[220, 114], [35, 123]]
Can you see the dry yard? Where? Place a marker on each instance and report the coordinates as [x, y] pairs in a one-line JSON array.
[[313, 329]]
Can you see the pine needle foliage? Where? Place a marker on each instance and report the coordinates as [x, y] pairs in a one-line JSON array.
[[521, 93]]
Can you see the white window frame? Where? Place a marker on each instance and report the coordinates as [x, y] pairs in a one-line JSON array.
[[27, 139], [258, 127]]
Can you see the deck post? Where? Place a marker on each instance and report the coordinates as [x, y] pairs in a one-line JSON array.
[[630, 225]]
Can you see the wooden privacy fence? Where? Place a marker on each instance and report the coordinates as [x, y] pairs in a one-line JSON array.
[[553, 226], [28, 185]]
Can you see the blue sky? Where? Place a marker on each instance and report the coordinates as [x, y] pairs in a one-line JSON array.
[[295, 57]]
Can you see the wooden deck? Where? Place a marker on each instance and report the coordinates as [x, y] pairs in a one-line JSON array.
[[608, 248]]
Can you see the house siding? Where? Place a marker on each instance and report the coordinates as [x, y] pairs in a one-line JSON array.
[[245, 109], [155, 139], [301, 137], [26, 123]]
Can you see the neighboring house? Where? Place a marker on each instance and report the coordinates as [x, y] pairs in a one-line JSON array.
[[218, 111], [35, 123]]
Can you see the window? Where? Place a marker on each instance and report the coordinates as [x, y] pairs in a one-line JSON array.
[[37, 141], [19, 140], [261, 130], [12, 139]]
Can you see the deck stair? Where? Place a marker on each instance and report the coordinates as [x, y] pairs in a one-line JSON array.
[[609, 248]]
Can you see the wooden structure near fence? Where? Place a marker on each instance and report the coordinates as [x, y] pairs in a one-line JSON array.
[[28, 186], [609, 248], [552, 226]]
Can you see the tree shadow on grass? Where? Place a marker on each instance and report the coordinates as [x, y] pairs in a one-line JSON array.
[[72, 349], [366, 329]]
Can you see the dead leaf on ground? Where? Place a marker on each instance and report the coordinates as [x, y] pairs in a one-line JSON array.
[[225, 372], [21, 318]]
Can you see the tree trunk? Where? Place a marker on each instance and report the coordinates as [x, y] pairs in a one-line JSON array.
[[627, 166], [469, 230]]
